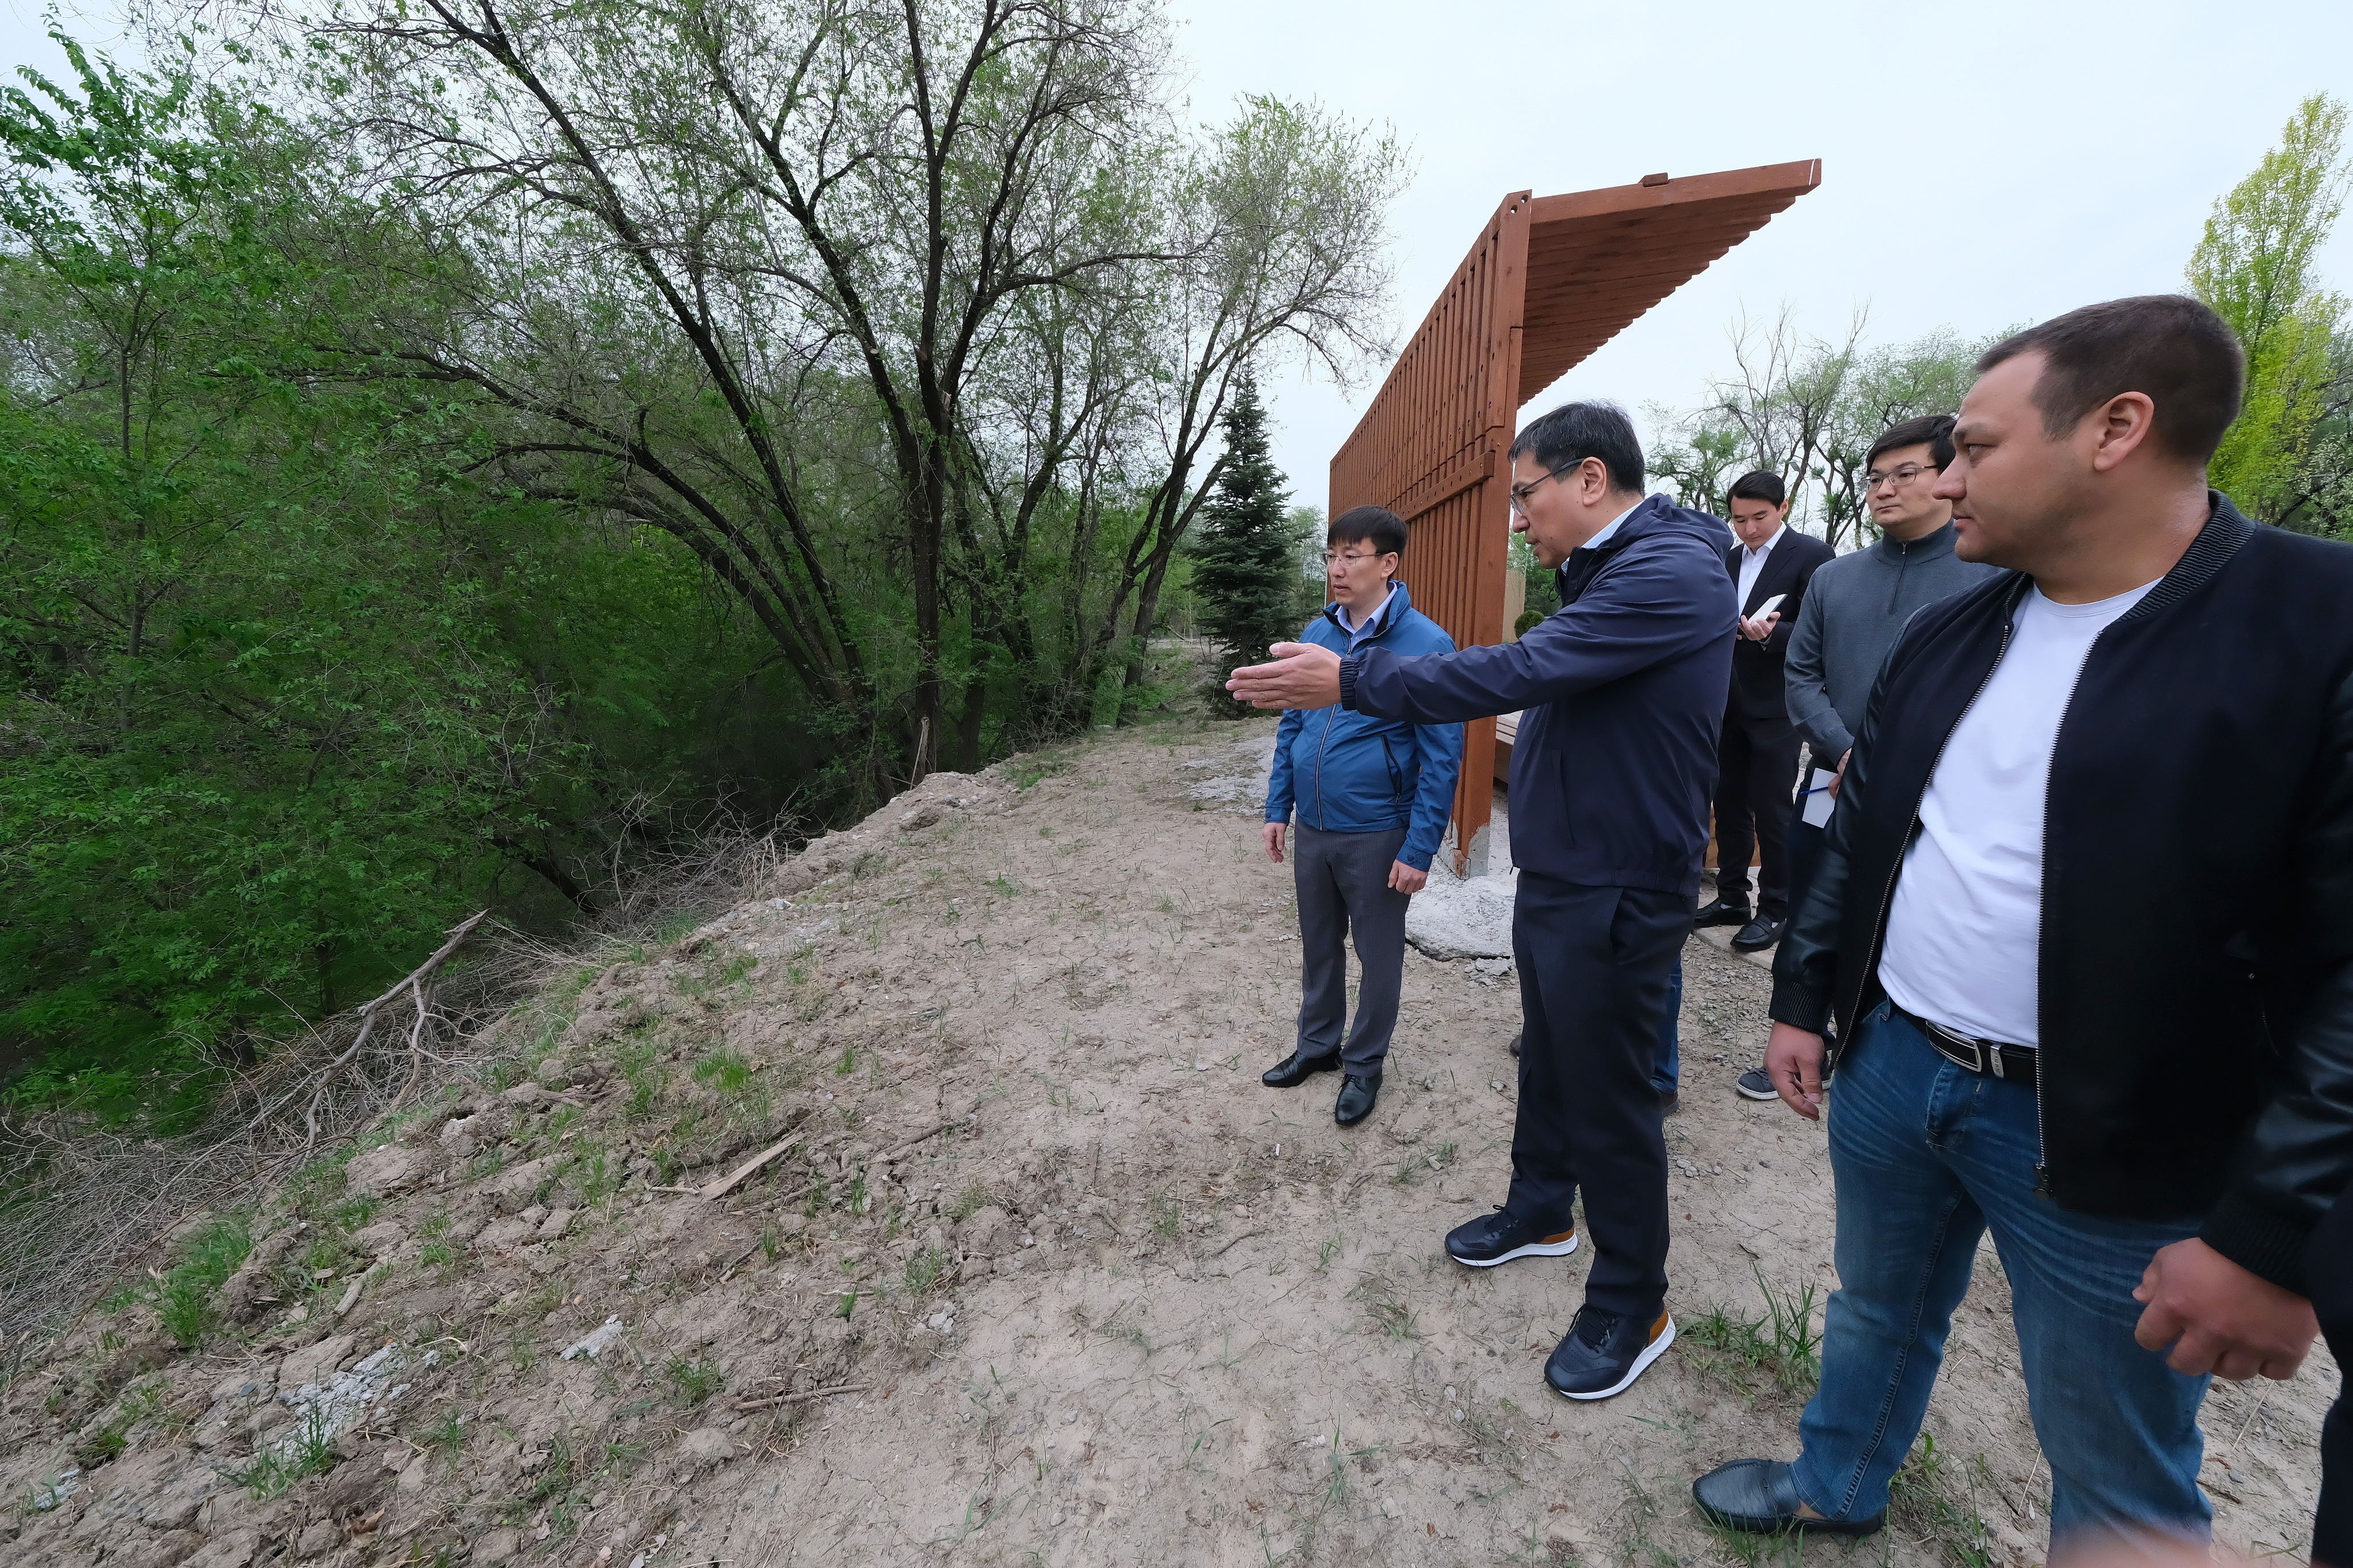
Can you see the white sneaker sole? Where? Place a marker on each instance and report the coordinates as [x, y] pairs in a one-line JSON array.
[[1533, 1249], [1650, 1352], [1747, 1093]]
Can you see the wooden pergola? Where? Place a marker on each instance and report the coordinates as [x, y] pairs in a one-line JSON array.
[[1550, 279]]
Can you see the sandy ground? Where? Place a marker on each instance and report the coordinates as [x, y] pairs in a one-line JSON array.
[[1093, 1293]]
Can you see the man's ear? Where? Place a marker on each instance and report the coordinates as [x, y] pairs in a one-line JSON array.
[[2119, 428]]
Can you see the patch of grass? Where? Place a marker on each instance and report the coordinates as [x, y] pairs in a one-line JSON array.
[[692, 1380], [1326, 1253], [185, 1298], [1027, 771], [1781, 1349], [969, 1201], [849, 1062], [1383, 1309], [445, 1437], [1167, 1217], [309, 1451], [725, 1072], [849, 1304], [925, 1269], [1922, 1499], [353, 1213]]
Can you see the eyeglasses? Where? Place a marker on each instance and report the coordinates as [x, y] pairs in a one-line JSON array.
[[1520, 493], [1899, 478], [1333, 557]]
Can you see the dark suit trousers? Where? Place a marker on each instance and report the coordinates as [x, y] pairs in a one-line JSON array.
[[1595, 968], [1756, 767]]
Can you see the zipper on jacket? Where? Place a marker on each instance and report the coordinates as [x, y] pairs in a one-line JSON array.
[[1887, 894], [2041, 903]]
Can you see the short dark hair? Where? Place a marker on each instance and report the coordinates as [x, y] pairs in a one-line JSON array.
[[2171, 347], [1761, 485], [1377, 525], [1576, 431], [1934, 431]]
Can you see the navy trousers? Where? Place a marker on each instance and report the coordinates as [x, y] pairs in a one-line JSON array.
[[1596, 965]]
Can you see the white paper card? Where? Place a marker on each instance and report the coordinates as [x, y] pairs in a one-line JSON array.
[[1817, 798]]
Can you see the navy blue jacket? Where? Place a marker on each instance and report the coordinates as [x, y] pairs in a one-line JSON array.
[[1354, 772], [1623, 690]]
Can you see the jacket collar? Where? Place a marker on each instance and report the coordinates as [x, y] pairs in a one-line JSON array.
[[1384, 618], [1926, 548], [2226, 529]]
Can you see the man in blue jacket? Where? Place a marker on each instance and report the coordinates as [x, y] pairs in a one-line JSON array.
[[1373, 796], [1624, 688]]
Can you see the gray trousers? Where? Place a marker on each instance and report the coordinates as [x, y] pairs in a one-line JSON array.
[[1343, 888]]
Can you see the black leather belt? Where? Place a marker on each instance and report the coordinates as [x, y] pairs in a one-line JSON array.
[[2011, 1064]]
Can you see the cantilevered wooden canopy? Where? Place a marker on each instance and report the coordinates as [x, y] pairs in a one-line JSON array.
[[1550, 279]]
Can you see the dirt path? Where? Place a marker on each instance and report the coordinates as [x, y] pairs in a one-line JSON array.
[[1098, 1296]]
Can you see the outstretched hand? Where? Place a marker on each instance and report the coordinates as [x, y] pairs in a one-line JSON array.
[[1301, 675]]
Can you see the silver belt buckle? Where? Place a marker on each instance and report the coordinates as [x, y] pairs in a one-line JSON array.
[[1993, 1052]]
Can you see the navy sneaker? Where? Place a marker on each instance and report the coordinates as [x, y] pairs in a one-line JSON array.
[[1603, 1353], [1501, 1236]]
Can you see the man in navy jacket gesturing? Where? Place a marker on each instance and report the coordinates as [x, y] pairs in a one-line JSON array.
[[1372, 796], [1623, 692]]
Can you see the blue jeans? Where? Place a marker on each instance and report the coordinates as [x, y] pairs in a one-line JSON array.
[[1666, 1069], [1926, 1157]]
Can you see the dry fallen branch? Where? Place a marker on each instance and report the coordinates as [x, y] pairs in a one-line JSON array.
[[802, 1397], [366, 1013]]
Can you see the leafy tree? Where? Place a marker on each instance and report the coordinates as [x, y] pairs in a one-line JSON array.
[[283, 690], [2254, 266], [1245, 568], [1809, 410]]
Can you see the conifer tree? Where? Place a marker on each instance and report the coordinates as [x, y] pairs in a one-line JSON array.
[[1246, 569]]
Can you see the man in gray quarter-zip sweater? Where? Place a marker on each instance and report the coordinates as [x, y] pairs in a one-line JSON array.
[[1856, 604], [1854, 608]]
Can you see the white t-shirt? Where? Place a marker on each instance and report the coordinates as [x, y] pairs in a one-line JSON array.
[[1964, 932]]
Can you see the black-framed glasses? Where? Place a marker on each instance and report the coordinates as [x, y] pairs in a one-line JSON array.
[[1899, 477], [1333, 556], [1520, 493]]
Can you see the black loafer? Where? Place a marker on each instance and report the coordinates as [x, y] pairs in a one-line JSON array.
[[1358, 1098], [1720, 913], [1758, 1496], [1758, 935], [1603, 1353], [1499, 1237], [1515, 1042], [1291, 1072]]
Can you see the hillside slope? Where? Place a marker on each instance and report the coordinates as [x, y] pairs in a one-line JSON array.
[[1043, 1275]]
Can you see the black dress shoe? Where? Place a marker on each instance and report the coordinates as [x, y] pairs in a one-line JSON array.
[[1515, 1043], [1291, 1072], [1720, 913], [1358, 1098], [1669, 1101], [1758, 1496], [1603, 1352], [1499, 1237], [1758, 935]]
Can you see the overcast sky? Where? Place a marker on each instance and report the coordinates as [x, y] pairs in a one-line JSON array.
[[1983, 165]]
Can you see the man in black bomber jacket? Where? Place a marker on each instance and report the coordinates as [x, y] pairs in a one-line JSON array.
[[2085, 917]]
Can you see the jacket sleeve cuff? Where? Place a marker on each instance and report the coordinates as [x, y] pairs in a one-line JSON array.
[[1348, 666], [2265, 1244], [1799, 1006]]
